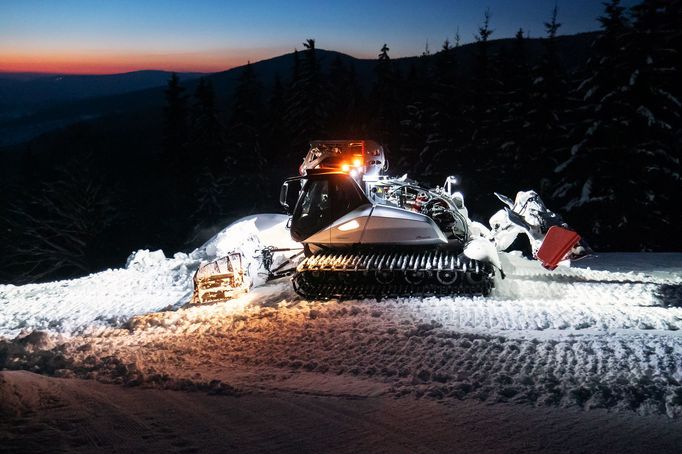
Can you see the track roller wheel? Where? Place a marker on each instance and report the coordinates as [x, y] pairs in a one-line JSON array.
[[475, 278], [447, 277], [414, 277], [384, 277]]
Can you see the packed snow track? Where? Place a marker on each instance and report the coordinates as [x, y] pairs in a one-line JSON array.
[[604, 334]]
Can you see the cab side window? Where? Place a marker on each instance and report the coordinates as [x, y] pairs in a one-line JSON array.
[[345, 196]]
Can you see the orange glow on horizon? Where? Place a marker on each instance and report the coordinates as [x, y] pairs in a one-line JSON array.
[[66, 62]]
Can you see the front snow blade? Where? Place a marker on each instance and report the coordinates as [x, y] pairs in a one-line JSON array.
[[555, 247], [220, 280]]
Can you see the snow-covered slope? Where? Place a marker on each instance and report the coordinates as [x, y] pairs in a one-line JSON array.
[[149, 282], [603, 334]]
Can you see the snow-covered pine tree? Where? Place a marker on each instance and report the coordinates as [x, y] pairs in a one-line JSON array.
[[622, 175], [58, 228], [545, 131], [481, 125], [415, 115], [212, 198], [513, 106], [443, 120]]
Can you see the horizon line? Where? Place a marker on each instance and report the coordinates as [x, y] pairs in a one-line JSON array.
[[129, 71]]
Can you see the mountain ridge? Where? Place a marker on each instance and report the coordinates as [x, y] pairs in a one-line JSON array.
[[15, 130]]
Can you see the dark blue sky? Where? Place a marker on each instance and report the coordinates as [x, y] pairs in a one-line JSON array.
[[209, 35]]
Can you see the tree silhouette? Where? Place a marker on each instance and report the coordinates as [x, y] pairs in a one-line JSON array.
[[175, 123], [547, 136], [58, 227], [345, 108], [482, 69], [206, 133], [513, 105], [307, 100], [383, 99], [276, 137], [244, 130], [622, 170]]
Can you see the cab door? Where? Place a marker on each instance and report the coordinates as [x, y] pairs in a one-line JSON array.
[[325, 199]]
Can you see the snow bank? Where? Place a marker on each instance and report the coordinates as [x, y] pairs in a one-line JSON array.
[[150, 282]]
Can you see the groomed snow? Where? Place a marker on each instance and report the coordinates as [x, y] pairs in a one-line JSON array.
[[605, 333], [150, 282]]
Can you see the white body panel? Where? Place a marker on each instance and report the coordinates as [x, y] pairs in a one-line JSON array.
[[332, 234], [389, 225], [380, 225]]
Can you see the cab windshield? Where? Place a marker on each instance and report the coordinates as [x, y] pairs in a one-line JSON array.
[[324, 199]]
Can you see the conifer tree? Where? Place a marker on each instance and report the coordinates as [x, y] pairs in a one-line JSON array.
[[276, 132], [175, 122], [346, 115], [241, 166], [517, 71], [206, 133], [384, 100], [308, 100], [482, 113], [513, 107], [482, 82], [357, 113], [622, 172], [549, 84], [546, 132], [58, 227], [245, 124], [340, 102], [209, 149], [442, 114], [414, 119]]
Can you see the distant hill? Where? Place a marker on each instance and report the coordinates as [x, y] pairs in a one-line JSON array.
[[25, 76], [55, 102], [23, 93]]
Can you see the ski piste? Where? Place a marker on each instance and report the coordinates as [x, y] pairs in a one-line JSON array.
[[363, 233]]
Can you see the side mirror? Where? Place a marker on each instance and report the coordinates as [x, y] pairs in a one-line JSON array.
[[288, 195]]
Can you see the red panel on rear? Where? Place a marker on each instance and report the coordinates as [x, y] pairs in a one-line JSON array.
[[556, 245]]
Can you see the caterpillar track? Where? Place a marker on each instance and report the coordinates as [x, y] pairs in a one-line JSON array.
[[391, 273]]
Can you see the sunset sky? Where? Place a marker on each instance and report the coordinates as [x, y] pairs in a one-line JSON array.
[[98, 36]]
